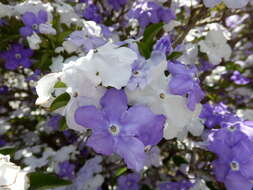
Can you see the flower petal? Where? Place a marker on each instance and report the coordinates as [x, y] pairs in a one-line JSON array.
[[29, 18], [101, 142], [90, 117], [132, 150], [114, 103]]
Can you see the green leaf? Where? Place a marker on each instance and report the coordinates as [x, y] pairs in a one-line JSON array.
[[41, 181], [120, 171], [60, 101], [63, 124], [174, 55], [60, 84], [146, 45], [7, 151]]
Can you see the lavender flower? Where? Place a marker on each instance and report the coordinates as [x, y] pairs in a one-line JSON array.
[[117, 129], [32, 22], [92, 13], [129, 181], [161, 49], [140, 71], [54, 121], [150, 12], [117, 4], [66, 170], [17, 56], [4, 89], [239, 79], [184, 81], [181, 185]]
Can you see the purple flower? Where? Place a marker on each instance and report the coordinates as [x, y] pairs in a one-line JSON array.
[[140, 71], [66, 170], [214, 114], [235, 166], [119, 129], [239, 79], [127, 182], [35, 76], [150, 12], [54, 121], [4, 89], [32, 22], [161, 49], [17, 56], [117, 4], [184, 81], [181, 185], [85, 40], [92, 13]]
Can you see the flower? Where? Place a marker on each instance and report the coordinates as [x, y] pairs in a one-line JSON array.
[[11, 176], [184, 81], [181, 185], [66, 170], [235, 4], [239, 79], [234, 167], [91, 12], [180, 119], [117, 129], [130, 181], [32, 22], [215, 46], [17, 56], [113, 64], [147, 12]]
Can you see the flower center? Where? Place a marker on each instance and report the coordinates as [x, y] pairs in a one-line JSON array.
[[232, 128], [114, 129], [18, 55], [162, 95], [35, 26], [234, 166]]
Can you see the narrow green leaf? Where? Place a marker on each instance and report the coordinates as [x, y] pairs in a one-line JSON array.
[[174, 55], [120, 171], [63, 124], [41, 181], [60, 101], [146, 45]]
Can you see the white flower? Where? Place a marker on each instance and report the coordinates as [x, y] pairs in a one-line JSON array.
[[67, 13], [113, 64], [6, 10], [11, 176], [34, 6], [45, 88], [216, 47], [47, 29], [34, 41], [235, 4], [155, 95]]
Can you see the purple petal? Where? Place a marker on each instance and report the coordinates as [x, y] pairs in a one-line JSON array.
[[26, 31], [180, 85], [177, 68], [101, 142], [29, 18], [132, 150], [140, 120], [235, 181], [220, 169], [11, 65], [42, 17], [26, 63], [90, 117], [114, 103]]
